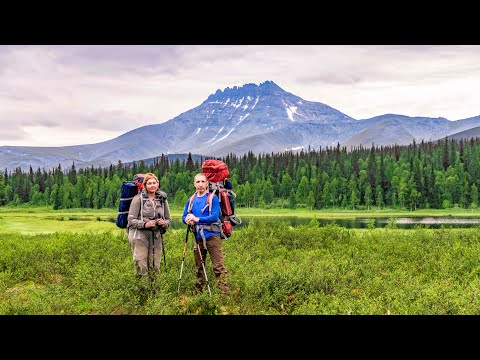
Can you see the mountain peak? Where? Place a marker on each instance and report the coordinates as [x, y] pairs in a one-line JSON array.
[[270, 88], [265, 88]]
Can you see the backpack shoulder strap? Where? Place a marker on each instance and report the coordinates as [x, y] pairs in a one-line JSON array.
[[142, 202], [190, 203], [210, 201]]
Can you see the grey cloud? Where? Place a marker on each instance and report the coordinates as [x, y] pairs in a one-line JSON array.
[[110, 59], [402, 64], [113, 121], [45, 122], [29, 119], [332, 78], [6, 52], [22, 93], [11, 132], [100, 60]]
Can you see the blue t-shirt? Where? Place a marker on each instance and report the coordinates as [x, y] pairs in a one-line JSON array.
[[199, 204]]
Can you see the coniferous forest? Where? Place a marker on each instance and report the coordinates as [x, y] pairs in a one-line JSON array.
[[434, 175]]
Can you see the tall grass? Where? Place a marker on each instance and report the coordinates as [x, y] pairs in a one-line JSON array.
[[273, 269]]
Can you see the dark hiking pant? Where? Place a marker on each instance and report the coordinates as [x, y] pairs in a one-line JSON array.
[[214, 248]]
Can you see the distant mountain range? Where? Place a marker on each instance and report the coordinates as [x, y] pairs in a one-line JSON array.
[[259, 118]]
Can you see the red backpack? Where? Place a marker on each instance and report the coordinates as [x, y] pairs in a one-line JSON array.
[[219, 185], [215, 170]]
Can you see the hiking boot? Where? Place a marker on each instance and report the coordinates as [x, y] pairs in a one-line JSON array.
[[224, 290], [222, 284], [199, 286]]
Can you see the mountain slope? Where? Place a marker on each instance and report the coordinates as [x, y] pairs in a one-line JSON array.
[[464, 135]]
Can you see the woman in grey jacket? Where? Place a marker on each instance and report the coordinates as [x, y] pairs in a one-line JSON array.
[[148, 219]]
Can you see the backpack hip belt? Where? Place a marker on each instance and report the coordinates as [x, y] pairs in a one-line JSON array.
[[214, 227]]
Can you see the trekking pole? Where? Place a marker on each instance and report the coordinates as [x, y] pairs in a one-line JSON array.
[[153, 251], [203, 266], [183, 257], [153, 248], [163, 251], [163, 247]]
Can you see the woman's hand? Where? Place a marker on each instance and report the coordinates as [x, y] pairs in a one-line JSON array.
[[150, 224]]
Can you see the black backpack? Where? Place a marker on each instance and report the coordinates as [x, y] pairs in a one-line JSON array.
[[128, 190]]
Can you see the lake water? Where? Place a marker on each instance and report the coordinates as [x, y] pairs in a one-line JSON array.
[[401, 223]]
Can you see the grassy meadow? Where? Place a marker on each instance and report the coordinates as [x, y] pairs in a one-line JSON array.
[[78, 262]]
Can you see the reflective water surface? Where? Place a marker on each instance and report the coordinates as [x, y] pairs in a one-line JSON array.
[[401, 223]]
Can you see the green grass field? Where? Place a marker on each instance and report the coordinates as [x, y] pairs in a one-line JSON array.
[[24, 220]]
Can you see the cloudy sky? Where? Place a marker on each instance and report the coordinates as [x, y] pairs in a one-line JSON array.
[[81, 94]]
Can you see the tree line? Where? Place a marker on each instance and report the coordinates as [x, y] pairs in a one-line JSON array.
[[441, 174]]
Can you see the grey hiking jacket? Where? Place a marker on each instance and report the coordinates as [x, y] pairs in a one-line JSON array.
[[158, 208]]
